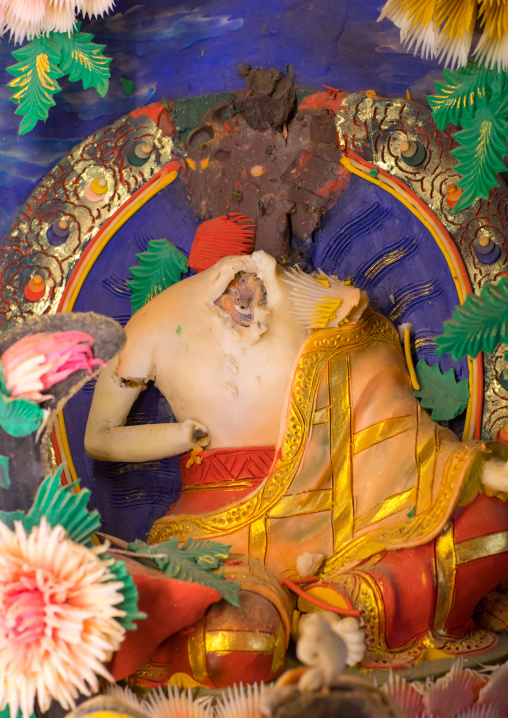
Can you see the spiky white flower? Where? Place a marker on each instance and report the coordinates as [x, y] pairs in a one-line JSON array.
[[174, 704], [240, 702], [26, 19], [58, 618]]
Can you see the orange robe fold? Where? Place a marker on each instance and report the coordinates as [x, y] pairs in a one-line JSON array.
[[359, 470]]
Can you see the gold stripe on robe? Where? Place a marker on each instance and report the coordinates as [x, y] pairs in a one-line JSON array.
[[359, 468]]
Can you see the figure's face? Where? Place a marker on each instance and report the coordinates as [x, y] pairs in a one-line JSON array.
[[242, 296]]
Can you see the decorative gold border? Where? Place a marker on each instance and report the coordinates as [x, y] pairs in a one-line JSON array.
[[452, 261]]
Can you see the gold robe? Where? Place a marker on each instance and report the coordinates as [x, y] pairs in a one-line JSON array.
[[359, 468]]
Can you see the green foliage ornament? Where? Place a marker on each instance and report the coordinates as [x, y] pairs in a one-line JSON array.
[[35, 83], [43, 61], [18, 417], [83, 60], [159, 268], [483, 144], [193, 562], [441, 393], [6, 713], [5, 481], [461, 92], [480, 324], [61, 506], [476, 99]]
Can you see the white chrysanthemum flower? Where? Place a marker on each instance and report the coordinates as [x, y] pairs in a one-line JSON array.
[[26, 19], [97, 8], [59, 17], [240, 702], [174, 704], [58, 611], [493, 52]]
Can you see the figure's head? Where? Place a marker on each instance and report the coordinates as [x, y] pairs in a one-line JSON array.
[[248, 293], [243, 295]]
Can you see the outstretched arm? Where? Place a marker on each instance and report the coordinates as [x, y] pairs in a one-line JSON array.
[[108, 439]]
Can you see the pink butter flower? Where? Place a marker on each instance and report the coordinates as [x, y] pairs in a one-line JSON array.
[[59, 611], [38, 361]]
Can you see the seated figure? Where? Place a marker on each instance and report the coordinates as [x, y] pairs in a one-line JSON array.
[[314, 443]]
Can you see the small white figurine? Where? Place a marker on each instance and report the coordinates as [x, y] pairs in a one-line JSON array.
[[307, 564], [326, 644]]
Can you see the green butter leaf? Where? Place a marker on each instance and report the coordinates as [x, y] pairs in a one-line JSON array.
[[441, 393], [83, 60], [483, 144], [460, 93], [128, 86], [6, 713], [62, 506], [159, 268], [5, 481], [130, 597], [207, 554], [9, 517], [480, 324], [35, 83], [192, 562], [19, 417]]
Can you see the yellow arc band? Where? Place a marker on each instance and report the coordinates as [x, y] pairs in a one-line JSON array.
[[398, 192]]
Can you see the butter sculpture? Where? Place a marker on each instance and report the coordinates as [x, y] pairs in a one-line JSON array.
[[314, 443]]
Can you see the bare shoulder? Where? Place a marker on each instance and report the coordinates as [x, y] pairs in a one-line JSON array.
[[150, 329]]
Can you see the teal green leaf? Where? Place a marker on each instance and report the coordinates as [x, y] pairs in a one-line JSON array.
[[460, 93], [61, 505], [83, 60], [19, 417], [207, 554], [130, 597], [191, 563], [159, 268], [35, 83], [5, 481], [3, 387], [128, 86], [9, 517], [483, 144], [480, 324], [497, 82], [441, 393], [6, 713]]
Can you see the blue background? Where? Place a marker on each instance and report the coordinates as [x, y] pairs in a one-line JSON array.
[[187, 49]]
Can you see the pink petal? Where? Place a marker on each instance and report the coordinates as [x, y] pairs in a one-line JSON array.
[[452, 693], [495, 690], [405, 695], [40, 360]]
